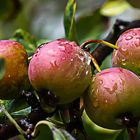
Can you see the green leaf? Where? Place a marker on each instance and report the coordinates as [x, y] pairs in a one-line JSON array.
[[69, 20], [42, 41], [123, 135], [7, 10], [23, 112], [17, 104], [2, 68], [96, 132], [45, 129], [113, 8], [90, 26], [27, 40]]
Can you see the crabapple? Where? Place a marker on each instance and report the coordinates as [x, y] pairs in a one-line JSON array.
[[61, 67], [16, 69], [127, 54], [113, 92]]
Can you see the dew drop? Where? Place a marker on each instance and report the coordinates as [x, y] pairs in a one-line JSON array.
[[71, 60], [88, 61], [124, 49], [63, 58], [111, 90], [115, 63], [129, 37], [138, 38], [124, 63], [101, 82], [87, 58], [81, 58], [106, 101], [115, 87], [53, 63], [123, 82], [97, 91], [35, 55], [134, 34], [96, 103], [87, 72], [133, 63], [115, 53], [62, 48], [123, 59]]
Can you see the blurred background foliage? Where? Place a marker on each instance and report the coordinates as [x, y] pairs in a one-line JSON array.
[[43, 19]]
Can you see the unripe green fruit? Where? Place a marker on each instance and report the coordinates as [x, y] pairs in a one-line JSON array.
[[113, 92], [16, 69], [128, 53], [61, 67]]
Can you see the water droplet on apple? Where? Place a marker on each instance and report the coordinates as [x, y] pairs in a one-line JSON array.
[[87, 72], [63, 58], [106, 101], [101, 82], [62, 48], [112, 89], [54, 63], [123, 63], [129, 37], [96, 103], [123, 59]]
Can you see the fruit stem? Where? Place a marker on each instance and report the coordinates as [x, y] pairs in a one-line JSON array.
[[2, 108], [94, 62], [98, 41]]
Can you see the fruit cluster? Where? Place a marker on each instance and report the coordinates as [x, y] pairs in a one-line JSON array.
[[64, 69], [114, 93]]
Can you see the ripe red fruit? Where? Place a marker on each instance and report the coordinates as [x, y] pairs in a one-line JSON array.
[[61, 67], [113, 93], [128, 53], [16, 69]]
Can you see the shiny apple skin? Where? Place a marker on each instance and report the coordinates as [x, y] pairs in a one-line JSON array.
[[128, 53], [112, 93], [61, 67], [16, 69]]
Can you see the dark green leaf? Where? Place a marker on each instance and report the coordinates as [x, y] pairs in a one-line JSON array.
[[8, 10], [122, 135], [96, 132], [23, 112], [2, 68], [42, 41], [69, 20], [17, 104], [90, 26], [27, 40], [47, 130]]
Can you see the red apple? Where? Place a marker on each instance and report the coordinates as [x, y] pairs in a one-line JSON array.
[[61, 67]]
